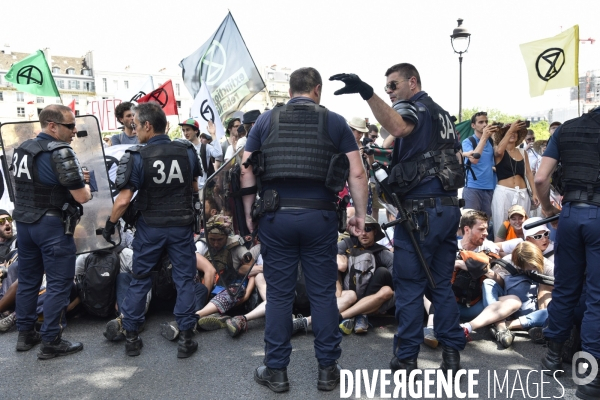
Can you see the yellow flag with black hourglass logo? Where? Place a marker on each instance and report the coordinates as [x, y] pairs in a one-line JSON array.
[[552, 63]]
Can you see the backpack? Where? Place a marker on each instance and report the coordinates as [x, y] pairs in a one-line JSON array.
[[97, 285], [466, 285], [361, 267], [301, 301], [163, 286]]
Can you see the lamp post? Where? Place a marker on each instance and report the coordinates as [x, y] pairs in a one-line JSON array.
[[460, 40]]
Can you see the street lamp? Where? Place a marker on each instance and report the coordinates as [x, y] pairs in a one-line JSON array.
[[460, 40]]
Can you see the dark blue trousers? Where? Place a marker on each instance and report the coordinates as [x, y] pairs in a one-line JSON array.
[[148, 245], [575, 261], [439, 249], [43, 247], [310, 236]]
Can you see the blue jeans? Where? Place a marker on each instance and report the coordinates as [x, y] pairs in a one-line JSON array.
[[44, 248], [533, 319], [469, 313], [492, 291]]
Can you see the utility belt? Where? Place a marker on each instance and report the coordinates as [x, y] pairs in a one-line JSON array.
[[270, 202], [418, 204], [582, 196]]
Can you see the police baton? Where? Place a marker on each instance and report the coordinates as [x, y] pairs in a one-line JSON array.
[[382, 178], [541, 222]]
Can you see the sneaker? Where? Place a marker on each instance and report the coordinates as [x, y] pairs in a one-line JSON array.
[[347, 325], [429, 338], [361, 324], [537, 335], [114, 330], [213, 322], [504, 337], [467, 336], [237, 325], [8, 322], [299, 323], [169, 330]]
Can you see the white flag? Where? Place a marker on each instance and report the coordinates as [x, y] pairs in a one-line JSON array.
[[135, 90], [204, 110]]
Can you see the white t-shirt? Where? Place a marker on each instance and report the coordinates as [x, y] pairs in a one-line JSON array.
[[487, 245]]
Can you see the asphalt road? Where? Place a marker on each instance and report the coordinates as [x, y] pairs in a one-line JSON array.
[[223, 367]]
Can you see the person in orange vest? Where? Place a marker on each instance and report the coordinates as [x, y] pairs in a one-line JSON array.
[[512, 228]]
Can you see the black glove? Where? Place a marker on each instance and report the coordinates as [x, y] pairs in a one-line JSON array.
[[109, 230], [353, 85]]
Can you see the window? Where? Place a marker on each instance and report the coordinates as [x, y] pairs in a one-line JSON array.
[[55, 70], [1, 96], [60, 83], [39, 100], [20, 96], [20, 111], [74, 85], [76, 113], [126, 84], [88, 86], [86, 72], [70, 71], [177, 91], [104, 85], [178, 104], [76, 98], [116, 84]]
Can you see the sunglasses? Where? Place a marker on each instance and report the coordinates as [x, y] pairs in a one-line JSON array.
[[68, 126], [5, 220], [392, 85], [531, 140], [541, 235], [369, 229], [374, 137]]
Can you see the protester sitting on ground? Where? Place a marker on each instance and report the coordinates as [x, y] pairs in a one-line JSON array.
[[512, 228], [231, 261], [540, 236], [374, 290], [534, 296], [8, 240], [512, 170]]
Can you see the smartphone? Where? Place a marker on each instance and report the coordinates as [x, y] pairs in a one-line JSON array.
[[527, 124]]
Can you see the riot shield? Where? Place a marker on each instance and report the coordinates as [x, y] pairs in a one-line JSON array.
[[90, 152], [221, 196]]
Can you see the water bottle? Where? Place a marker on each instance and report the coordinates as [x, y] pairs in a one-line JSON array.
[[380, 173]]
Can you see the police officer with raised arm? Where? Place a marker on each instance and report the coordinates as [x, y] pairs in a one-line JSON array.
[[47, 177], [163, 172], [425, 174], [576, 145], [306, 153]]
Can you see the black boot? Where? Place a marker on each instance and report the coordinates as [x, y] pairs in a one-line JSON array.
[[28, 339], [133, 344], [592, 389], [450, 360], [552, 362], [407, 364], [329, 377], [186, 346], [274, 379], [58, 347]]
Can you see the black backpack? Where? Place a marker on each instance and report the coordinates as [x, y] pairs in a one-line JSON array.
[[97, 285], [301, 301], [163, 287]]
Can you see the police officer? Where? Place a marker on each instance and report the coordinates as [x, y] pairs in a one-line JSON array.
[[163, 173], [47, 176], [576, 145], [426, 173], [298, 141]]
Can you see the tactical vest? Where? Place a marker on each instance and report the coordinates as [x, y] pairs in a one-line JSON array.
[[439, 160], [32, 198], [580, 155], [298, 145], [165, 196]]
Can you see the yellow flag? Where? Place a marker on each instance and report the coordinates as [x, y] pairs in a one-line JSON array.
[[552, 63]]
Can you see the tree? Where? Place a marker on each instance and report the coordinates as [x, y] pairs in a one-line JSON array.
[[493, 115], [541, 130]]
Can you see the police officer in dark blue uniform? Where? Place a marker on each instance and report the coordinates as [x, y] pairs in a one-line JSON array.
[[306, 151], [47, 176], [576, 145], [163, 172], [426, 173]]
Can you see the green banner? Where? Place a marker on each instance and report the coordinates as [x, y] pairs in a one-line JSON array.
[[32, 75]]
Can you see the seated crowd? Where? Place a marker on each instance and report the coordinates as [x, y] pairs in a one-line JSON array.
[[503, 271]]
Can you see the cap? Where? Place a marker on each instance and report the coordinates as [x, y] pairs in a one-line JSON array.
[[372, 222], [517, 209], [250, 117], [220, 224], [533, 231], [191, 122], [4, 212]]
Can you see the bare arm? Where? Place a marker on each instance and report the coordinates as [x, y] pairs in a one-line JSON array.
[[82, 195], [342, 262], [247, 179], [542, 184], [529, 177], [389, 118], [388, 142], [121, 203], [357, 182], [544, 295], [487, 132]]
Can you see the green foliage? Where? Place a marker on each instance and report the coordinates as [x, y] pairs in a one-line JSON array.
[[541, 130], [493, 114]]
